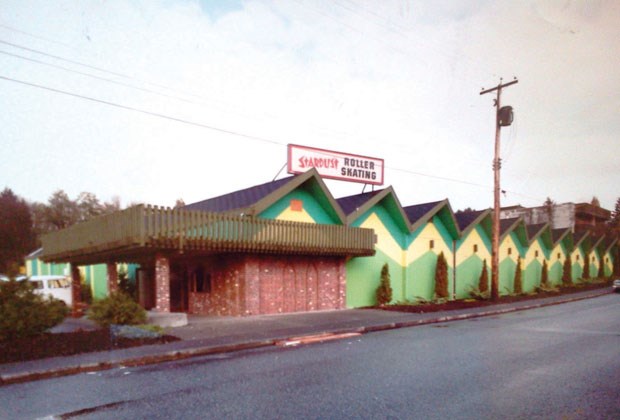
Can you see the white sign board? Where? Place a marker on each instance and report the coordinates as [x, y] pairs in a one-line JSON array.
[[335, 165]]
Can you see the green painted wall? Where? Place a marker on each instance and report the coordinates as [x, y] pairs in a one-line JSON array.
[[532, 276], [420, 277], [363, 278], [310, 203], [555, 273], [468, 274], [506, 276]]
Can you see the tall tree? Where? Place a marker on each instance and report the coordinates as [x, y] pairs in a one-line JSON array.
[[549, 206], [17, 237], [614, 221]]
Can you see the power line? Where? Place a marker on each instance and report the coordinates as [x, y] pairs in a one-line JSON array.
[[222, 130], [142, 111], [10, 28], [95, 77]]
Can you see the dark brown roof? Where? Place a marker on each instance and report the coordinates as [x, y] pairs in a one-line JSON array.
[[533, 230]]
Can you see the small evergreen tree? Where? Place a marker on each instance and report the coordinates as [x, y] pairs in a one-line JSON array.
[[518, 282], [586, 266], [601, 267], [483, 281], [544, 275], [441, 277], [384, 291], [567, 276]]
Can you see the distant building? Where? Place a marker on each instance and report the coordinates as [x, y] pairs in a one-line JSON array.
[[577, 217]]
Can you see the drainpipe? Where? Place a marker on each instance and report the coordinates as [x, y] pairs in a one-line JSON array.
[[453, 269]]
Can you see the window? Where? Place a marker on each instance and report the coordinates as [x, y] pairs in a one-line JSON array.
[[509, 251], [577, 257], [536, 253], [475, 247], [558, 255], [431, 244]]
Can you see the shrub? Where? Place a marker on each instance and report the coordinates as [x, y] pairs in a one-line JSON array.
[[483, 281], [586, 266], [601, 268], [547, 288], [118, 308], [24, 313], [567, 276], [544, 275], [441, 277], [384, 291], [518, 282], [478, 294]]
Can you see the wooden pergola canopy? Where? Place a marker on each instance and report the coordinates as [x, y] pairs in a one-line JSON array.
[[132, 234]]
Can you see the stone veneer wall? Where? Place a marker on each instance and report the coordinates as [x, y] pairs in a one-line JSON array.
[[252, 285]]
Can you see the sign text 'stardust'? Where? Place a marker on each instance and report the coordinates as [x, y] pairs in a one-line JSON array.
[[335, 165]]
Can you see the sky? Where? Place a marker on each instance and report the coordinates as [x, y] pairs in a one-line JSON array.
[[157, 100]]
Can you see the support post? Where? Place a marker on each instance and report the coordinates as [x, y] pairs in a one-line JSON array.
[[76, 292], [162, 283], [112, 277], [496, 191]]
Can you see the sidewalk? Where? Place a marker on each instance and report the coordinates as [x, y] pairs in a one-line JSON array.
[[211, 335]]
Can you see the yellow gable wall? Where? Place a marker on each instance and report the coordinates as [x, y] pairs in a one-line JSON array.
[[420, 245], [466, 249], [503, 249], [573, 257], [385, 241], [296, 216], [554, 255], [530, 254]]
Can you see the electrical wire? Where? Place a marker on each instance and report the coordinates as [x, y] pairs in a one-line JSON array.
[[142, 111]]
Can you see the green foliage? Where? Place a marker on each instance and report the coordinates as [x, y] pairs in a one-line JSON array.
[[384, 291], [24, 313], [125, 284], [518, 280], [601, 268], [16, 233], [118, 308], [441, 277], [547, 288], [567, 271], [544, 275], [483, 281], [478, 294], [586, 266]]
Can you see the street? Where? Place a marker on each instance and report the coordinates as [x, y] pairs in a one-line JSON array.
[[559, 362]]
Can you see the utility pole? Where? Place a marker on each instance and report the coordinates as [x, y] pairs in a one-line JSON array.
[[503, 117]]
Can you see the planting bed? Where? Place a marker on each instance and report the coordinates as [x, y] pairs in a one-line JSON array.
[[68, 343], [469, 303]]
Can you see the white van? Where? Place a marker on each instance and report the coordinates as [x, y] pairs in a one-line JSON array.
[[55, 286]]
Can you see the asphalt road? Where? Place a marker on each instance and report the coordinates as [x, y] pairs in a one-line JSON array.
[[559, 362]]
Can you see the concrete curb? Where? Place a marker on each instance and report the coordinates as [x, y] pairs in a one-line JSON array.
[[172, 355]]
